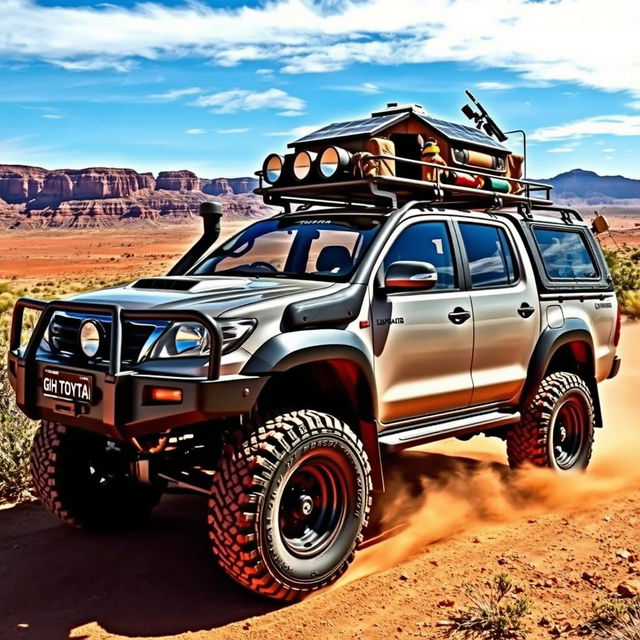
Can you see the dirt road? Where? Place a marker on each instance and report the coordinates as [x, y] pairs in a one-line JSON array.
[[469, 518]]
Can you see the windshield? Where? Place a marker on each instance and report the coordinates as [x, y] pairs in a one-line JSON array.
[[323, 248]]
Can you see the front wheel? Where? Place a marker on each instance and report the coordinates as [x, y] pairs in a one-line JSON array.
[[86, 480], [557, 426], [288, 504]]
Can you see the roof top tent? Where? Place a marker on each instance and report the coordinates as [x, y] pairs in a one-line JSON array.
[[397, 155]]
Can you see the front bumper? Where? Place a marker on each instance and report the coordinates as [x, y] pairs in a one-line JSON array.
[[121, 407]]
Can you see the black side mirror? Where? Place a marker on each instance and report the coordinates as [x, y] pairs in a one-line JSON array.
[[410, 276]]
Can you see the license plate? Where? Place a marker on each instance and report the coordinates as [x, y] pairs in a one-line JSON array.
[[66, 385]]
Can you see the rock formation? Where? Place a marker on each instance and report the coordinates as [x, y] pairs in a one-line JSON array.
[[182, 180], [99, 196]]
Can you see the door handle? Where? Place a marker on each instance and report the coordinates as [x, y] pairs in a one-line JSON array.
[[459, 315], [525, 310]]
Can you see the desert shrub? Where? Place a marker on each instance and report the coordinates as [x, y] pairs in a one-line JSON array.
[[615, 619], [624, 265], [494, 613], [630, 303]]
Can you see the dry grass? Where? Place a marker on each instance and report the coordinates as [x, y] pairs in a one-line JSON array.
[[616, 620], [495, 613]]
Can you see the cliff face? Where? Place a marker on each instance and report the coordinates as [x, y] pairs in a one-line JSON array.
[[19, 183], [99, 196], [182, 180]]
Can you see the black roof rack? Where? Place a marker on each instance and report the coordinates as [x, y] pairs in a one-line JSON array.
[[392, 191]]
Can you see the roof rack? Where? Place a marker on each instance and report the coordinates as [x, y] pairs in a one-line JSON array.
[[392, 190]]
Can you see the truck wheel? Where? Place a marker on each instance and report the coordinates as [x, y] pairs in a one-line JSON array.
[[85, 479], [288, 504], [557, 427]]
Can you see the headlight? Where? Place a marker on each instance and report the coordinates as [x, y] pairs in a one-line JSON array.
[[191, 339]]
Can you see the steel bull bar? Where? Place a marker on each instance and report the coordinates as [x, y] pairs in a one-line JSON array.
[[23, 365]]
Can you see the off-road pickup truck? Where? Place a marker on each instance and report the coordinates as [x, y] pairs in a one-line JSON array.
[[276, 371]]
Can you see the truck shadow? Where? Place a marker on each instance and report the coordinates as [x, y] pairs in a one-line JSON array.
[[159, 580]]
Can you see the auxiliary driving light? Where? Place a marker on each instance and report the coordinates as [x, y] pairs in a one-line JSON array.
[[302, 164], [90, 337], [333, 160], [272, 168]]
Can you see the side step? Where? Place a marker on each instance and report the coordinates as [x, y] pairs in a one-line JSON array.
[[397, 439]]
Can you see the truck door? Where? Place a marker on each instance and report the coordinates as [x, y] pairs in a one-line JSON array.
[[505, 307], [423, 341]]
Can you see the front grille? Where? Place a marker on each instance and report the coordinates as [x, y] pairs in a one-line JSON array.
[[64, 338]]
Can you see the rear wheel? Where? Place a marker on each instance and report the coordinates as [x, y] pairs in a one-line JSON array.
[[86, 480], [288, 504], [557, 427]]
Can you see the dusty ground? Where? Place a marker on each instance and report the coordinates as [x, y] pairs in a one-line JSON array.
[[465, 517]]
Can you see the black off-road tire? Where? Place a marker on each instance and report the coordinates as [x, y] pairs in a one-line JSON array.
[[557, 426], [257, 515], [86, 482]]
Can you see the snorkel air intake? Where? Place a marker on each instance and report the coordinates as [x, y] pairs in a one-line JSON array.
[[211, 213]]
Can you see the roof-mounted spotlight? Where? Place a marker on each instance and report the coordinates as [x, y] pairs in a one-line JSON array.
[[333, 161], [272, 168], [302, 163]]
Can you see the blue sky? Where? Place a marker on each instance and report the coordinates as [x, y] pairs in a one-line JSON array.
[[215, 86]]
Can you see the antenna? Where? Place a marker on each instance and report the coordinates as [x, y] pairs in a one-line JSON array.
[[482, 118]]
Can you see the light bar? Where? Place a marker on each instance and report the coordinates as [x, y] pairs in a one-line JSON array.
[[332, 161], [302, 164], [272, 168]]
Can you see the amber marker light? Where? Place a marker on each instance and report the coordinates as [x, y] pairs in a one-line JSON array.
[[164, 395]]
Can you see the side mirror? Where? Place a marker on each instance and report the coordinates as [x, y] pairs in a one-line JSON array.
[[410, 276]]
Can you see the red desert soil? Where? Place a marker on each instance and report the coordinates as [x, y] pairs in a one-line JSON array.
[[464, 518]]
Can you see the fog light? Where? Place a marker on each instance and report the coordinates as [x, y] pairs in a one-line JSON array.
[[272, 168], [333, 161], [165, 395], [302, 164], [90, 337]]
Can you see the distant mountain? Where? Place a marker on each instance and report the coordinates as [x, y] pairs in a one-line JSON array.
[[579, 184], [102, 196]]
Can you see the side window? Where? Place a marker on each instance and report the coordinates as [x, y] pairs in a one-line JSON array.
[[491, 262], [565, 254], [426, 242]]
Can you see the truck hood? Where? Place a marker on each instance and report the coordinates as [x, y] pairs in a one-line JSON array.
[[211, 294]]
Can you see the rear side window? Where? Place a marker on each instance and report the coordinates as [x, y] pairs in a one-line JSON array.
[[564, 254], [491, 262]]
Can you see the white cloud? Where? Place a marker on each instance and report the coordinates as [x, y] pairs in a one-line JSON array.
[[493, 86], [232, 131], [244, 100], [613, 125], [608, 150], [291, 113], [195, 132], [52, 116], [565, 149], [170, 96], [367, 88], [544, 41]]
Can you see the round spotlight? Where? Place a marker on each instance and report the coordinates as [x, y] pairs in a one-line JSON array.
[[272, 168], [302, 164], [90, 336], [333, 160]]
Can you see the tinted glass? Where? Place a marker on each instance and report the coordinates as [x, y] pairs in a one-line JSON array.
[[327, 248], [490, 260], [426, 242], [565, 254]]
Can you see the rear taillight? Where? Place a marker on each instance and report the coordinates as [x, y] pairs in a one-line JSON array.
[[616, 333]]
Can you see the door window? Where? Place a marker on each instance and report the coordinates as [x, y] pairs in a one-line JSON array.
[[426, 242], [565, 254], [490, 258]]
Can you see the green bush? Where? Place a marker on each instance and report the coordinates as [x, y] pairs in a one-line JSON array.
[[624, 265]]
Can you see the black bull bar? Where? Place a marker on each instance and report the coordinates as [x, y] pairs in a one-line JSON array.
[[23, 367]]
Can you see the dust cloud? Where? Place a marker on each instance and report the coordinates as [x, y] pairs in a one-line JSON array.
[[444, 489]]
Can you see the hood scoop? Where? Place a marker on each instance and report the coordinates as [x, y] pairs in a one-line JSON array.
[[166, 284]]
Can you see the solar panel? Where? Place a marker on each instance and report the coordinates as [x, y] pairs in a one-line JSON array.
[[353, 128], [462, 133]]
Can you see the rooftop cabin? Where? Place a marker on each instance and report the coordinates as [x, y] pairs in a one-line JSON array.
[[398, 155]]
